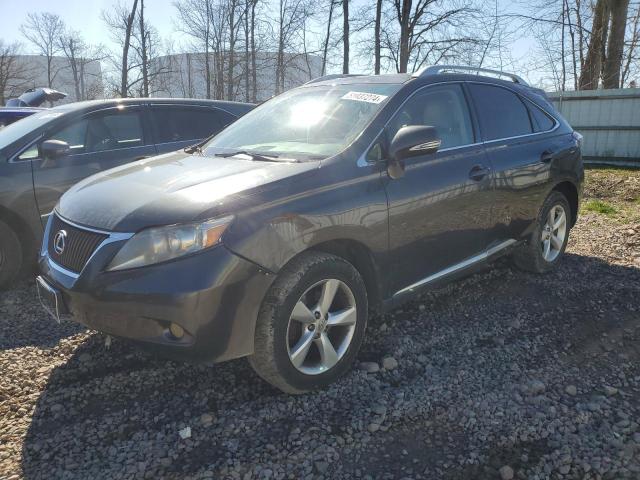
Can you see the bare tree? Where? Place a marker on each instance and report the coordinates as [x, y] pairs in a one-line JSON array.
[[120, 20], [291, 19], [79, 56], [425, 31], [325, 45], [43, 30], [14, 75], [194, 20]]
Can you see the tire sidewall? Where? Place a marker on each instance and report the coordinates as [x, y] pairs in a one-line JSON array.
[[555, 198], [10, 256], [340, 270]]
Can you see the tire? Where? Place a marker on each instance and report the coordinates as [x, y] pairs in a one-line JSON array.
[[300, 284], [10, 256], [531, 256]]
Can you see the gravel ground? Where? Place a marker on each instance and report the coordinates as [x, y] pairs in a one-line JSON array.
[[502, 375]]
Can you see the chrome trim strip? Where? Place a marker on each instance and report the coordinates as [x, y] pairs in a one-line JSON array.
[[61, 269], [81, 227], [458, 266]]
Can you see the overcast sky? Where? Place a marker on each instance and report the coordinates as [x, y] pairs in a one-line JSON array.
[[84, 16]]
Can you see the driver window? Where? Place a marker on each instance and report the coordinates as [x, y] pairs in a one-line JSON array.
[[97, 133], [443, 107]]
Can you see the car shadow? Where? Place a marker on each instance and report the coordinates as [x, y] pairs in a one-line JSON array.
[[103, 411], [24, 323]]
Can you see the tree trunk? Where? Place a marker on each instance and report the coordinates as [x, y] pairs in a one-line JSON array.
[[143, 45], [377, 36], [345, 36], [404, 35], [246, 52], [207, 66], [326, 40], [232, 46], [615, 46], [254, 74], [280, 55], [590, 74], [124, 80]]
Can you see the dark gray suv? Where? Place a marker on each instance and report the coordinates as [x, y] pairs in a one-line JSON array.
[[42, 155], [349, 195]]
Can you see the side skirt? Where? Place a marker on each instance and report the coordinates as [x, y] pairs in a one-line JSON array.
[[458, 270]]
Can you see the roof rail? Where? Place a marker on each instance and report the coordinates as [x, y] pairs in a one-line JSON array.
[[437, 69], [332, 76]]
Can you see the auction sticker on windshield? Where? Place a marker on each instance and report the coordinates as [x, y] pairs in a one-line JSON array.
[[364, 97]]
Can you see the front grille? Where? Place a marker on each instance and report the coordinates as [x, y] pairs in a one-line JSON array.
[[79, 244]]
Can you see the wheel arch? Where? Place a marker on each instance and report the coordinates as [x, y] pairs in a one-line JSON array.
[[570, 191], [360, 256], [22, 229]]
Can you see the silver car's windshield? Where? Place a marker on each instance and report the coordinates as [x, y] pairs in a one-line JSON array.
[[19, 129], [305, 123]]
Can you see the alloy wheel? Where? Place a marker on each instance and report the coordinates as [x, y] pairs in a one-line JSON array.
[[321, 326], [554, 233]]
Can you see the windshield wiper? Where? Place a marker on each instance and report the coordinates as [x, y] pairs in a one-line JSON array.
[[255, 156], [198, 146]]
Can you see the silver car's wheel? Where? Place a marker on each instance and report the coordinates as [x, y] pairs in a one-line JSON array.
[[554, 233], [321, 326]]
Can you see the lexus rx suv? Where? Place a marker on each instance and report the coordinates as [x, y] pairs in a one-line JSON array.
[[278, 238]]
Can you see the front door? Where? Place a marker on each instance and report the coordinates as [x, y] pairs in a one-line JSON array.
[[98, 141], [440, 210]]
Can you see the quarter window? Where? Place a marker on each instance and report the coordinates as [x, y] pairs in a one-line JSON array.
[[502, 114], [176, 124], [541, 121], [443, 107]]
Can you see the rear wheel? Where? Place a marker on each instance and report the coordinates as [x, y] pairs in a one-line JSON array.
[[10, 256], [549, 239], [311, 323]]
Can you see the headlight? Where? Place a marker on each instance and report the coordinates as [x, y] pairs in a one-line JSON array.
[[155, 245]]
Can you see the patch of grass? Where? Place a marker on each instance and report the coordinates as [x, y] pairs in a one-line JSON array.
[[599, 206]]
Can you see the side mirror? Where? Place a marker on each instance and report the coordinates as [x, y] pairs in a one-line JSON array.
[[411, 141], [52, 149]]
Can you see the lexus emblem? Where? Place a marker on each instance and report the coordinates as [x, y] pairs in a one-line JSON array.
[[59, 241]]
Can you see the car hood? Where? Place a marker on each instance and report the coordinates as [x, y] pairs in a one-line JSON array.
[[172, 188]]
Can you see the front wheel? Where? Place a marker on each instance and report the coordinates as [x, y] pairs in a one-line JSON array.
[[311, 323], [549, 239]]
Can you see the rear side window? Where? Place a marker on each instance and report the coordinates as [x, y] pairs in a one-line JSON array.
[[541, 121], [176, 124], [502, 114]]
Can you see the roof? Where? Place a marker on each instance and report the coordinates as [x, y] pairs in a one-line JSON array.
[[90, 104], [19, 110]]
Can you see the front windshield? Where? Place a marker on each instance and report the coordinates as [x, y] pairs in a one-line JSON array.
[[19, 129], [305, 123]]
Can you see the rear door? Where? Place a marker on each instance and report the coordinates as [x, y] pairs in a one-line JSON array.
[[439, 211], [519, 140], [98, 141], [178, 126]]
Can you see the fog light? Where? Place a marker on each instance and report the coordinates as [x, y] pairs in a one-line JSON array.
[[176, 330]]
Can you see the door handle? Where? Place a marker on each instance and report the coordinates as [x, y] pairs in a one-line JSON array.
[[547, 156], [478, 172]]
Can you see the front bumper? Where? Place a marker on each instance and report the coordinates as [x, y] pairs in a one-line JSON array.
[[213, 295]]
